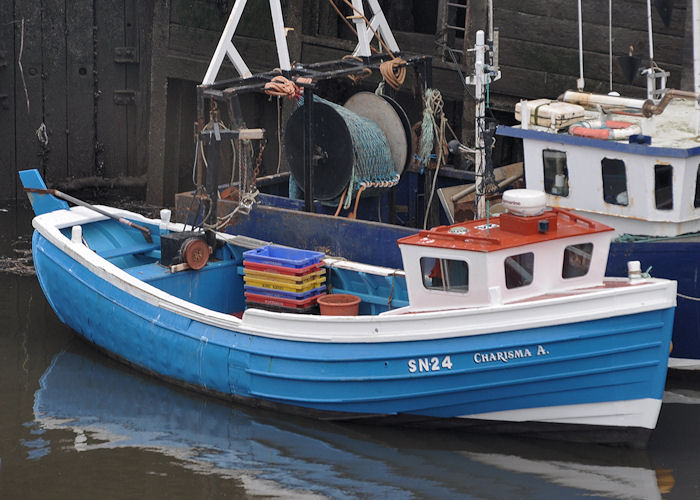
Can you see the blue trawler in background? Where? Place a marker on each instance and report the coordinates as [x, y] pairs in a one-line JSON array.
[[634, 164], [639, 174]]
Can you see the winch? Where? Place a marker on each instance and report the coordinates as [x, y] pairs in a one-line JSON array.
[[187, 247]]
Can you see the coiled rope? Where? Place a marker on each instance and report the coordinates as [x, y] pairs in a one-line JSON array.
[[394, 70], [432, 132], [280, 86]]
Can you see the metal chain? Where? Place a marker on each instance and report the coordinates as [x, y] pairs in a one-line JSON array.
[[258, 161]]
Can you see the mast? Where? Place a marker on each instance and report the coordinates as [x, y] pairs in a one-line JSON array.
[[485, 72], [480, 104]]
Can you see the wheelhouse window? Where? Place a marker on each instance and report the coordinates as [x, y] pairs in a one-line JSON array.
[[614, 182], [577, 260], [445, 274], [518, 270], [556, 173], [663, 187]]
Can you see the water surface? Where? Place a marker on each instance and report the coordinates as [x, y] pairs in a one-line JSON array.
[[75, 424]]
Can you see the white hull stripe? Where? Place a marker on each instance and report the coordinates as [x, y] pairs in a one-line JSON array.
[[634, 413]]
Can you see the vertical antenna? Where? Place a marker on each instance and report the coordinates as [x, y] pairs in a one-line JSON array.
[[488, 216], [651, 38], [580, 82], [651, 83]]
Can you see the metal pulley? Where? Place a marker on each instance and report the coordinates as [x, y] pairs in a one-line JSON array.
[[187, 247], [195, 253]]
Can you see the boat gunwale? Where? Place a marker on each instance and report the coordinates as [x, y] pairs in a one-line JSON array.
[[639, 149], [295, 327]]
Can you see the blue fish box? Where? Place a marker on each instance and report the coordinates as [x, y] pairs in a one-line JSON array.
[[283, 256]]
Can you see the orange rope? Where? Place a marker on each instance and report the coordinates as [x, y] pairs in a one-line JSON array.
[[340, 205], [394, 72], [280, 86], [364, 74], [353, 215]]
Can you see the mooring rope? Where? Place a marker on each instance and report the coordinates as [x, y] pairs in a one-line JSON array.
[[688, 297]]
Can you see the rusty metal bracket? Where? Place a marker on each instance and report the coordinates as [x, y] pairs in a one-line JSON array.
[[126, 55], [124, 97]]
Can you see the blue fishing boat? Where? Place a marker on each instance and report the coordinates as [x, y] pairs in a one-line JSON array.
[[504, 324]]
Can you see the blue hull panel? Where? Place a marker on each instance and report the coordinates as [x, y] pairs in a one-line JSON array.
[[675, 260], [614, 359]]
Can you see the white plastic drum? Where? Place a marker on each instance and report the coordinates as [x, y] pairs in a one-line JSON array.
[[524, 202]]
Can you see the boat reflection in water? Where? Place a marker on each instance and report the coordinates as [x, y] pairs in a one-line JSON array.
[[108, 406]]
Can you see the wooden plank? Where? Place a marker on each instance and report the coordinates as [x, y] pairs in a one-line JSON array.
[[144, 26], [158, 84], [111, 117], [80, 91], [688, 75], [28, 117], [311, 11], [564, 61], [8, 167], [133, 112], [199, 14], [329, 23], [531, 84], [260, 55], [180, 104], [255, 21], [631, 14], [53, 31], [193, 69], [553, 31]]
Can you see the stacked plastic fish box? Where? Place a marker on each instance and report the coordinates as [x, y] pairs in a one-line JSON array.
[[283, 279]]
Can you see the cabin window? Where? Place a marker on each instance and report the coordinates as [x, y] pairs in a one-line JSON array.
[[445, 274], [697, 189], [663, 187], [556, 173], [518, 269], [577, 260], [614, 182]]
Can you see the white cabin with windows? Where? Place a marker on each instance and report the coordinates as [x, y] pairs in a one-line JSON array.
[[512, 257], [637, 174]]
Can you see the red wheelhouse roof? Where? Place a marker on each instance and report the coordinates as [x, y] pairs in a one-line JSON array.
[[506, 231]]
